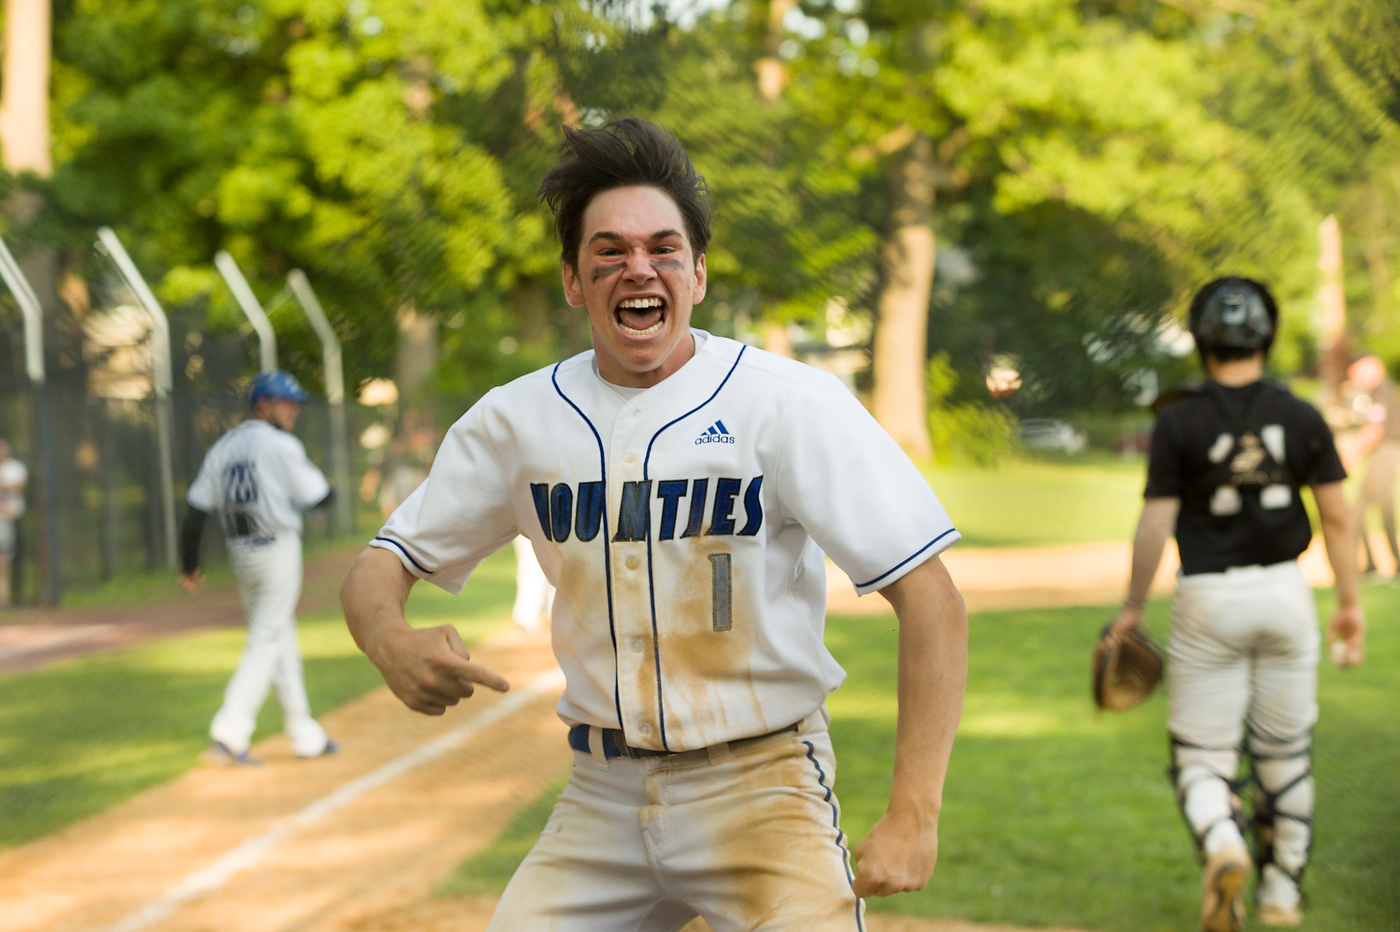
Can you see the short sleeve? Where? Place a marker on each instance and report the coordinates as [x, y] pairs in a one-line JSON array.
[[306, 485], [461, 514], [204, 493], [855, 492], [1164, 461], [1323, 464]]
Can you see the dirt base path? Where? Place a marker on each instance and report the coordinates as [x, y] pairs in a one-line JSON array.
[[32, 637]]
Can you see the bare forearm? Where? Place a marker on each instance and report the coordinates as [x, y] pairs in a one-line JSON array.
[[373, 596], [1154, 527], [932, 683], [1336, 535]]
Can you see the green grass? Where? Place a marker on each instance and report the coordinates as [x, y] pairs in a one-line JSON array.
[[1057, 815], [1035, 502], [81, 735]]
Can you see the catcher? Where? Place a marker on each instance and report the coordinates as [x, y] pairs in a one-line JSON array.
[[1227, 463]]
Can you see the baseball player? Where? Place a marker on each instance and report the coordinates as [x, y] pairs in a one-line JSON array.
[[13, 478], [1378, 441], [257, 479], [1227, 465], [679, 489]]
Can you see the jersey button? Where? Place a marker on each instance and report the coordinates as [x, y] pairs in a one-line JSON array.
[[636, 644], [629, 457], [645, 730], [632, 563]]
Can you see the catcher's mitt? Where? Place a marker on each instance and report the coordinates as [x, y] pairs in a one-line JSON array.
[[1127, 667]]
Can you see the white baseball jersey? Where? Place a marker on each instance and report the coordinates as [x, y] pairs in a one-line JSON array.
[[683, 526], [258, 479]]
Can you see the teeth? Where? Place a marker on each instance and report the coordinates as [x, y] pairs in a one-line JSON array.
[[638, 303]]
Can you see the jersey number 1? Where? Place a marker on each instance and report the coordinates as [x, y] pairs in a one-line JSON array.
[[721, 574]]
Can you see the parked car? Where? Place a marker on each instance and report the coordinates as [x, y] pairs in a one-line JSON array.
[[1047, 433]]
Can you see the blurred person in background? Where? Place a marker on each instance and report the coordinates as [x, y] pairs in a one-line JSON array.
[[13, 477], [534, 596], [1378, 442], [258, 480], [1227, 465]]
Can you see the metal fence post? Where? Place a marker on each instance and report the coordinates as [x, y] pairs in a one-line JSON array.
[[335, 394], [164, 381], [33, 313], [252, 308]]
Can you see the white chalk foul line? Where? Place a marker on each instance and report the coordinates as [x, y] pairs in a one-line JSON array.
[[251, 851]]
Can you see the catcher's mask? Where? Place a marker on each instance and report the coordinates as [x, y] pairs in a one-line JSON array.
[[1234, 314]]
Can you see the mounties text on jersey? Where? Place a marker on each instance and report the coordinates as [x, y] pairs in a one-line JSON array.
[[566, 510]]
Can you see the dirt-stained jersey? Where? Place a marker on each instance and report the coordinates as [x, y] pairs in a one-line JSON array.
[[258, 480], [684, 527]]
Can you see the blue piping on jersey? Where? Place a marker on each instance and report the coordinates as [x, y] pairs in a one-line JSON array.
[[409, 556], [906, 559], [607, 555], [836, 824], [651, 581]]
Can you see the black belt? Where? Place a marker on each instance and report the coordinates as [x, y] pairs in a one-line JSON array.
[[614, 744]]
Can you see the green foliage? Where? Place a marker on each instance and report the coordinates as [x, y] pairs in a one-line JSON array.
[[1095, 162], [968, 432]]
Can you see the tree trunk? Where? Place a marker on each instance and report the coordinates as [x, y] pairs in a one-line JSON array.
[[901, 327], [416, 355], [772, 73], [24, 95]]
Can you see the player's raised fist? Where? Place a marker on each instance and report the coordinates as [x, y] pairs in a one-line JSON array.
[[898, 856]]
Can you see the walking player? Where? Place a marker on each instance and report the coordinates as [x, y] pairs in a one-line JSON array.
[[679, 489], [258, 480], [1227, 464]]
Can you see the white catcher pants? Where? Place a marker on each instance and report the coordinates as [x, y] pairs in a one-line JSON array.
[[269, 584], [750, 841], [1243, 667]]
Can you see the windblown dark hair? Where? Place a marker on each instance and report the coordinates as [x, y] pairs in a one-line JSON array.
[[620, 154]]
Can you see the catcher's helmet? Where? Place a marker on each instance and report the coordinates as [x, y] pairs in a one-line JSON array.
[[1234, 314], [277, 384]]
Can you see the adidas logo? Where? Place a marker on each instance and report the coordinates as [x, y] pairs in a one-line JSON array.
[[716, 433]]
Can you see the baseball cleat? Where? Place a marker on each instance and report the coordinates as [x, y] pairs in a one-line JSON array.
[[1280, 916], [331, 747], [1222, 890], [220, 755]]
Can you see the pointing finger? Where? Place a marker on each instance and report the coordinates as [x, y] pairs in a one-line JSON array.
[[475, 673]]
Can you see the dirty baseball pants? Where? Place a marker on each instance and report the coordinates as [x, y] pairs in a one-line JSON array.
[[1243, 665], [269, 584], [749, 840]]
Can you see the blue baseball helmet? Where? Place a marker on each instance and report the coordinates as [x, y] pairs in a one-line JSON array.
[[278, 384]]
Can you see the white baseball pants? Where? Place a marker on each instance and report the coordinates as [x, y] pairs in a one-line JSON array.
[[749, 841], [269, 584], [534, 596], [1243, 663]]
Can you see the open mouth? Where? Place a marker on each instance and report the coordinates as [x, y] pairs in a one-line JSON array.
[[640, 317]]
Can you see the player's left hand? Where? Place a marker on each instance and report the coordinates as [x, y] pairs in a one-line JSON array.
[[193, 582], [897, 856], [1346, 636]]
